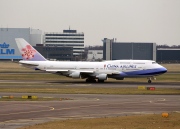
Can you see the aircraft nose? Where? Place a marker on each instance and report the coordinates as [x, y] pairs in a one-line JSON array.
[[164, 70]]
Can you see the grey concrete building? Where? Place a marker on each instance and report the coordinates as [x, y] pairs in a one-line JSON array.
[[68, 38], [128, 50], [57, 53], [168, 55], [95, 55], [8, 46]]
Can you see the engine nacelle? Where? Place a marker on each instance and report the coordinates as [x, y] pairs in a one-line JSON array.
[[102, 77], [75, 75]]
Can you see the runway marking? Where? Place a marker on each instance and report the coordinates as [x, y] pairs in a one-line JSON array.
[[161, 99], [158, 100], [177, 111], [78, 85], [51, 108]]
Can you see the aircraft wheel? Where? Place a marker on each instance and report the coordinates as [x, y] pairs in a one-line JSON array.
[[91, 80], [87, 80], [94, 80], [100, 81], [149, 81]]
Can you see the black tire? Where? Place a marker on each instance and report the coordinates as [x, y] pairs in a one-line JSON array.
[[149, 81], [100, 81], [91, 80], [87, 80]]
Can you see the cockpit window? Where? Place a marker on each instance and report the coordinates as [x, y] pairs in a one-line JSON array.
[[154, 63]]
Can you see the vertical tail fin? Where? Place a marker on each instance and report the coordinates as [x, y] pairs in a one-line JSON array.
[[28, 52]]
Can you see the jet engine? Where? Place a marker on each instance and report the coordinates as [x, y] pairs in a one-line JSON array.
[[75, 75], [102, 77]]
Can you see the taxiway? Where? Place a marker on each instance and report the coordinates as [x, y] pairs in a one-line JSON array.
[[14, 114]]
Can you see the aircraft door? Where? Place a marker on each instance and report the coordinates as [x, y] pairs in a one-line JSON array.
[[144, 67], [97, 68]]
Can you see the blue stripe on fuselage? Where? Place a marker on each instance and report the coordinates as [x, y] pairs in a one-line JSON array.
[[145, 72]]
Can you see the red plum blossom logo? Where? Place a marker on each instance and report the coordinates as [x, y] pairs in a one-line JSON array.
[[28, 52]]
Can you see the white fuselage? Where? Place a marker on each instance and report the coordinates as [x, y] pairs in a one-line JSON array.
[[114, 69], [117, 69]]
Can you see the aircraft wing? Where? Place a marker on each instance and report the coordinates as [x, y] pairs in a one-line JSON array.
[[71, 71], [57, 70], [84, 72], [115, 72]]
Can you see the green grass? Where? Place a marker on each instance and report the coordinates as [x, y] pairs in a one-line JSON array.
[[172, 67], [89, 90], [169, 78], [22, 76], [39, 76], [7, 66], [53, 77], [152, 121]]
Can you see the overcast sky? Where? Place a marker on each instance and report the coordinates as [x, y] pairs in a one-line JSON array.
[[126, 20]]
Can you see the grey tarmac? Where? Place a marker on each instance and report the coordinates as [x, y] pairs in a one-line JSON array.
[[17, 113], [14, 114]]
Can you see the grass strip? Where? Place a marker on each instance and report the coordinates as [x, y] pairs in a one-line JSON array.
[[152, 121], [88, 90], [53, 77]]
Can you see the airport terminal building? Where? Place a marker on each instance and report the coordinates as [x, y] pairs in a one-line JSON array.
[[95, 55], [69, 38], [55, 53], [9, 49], [128, 50], [168, 55]]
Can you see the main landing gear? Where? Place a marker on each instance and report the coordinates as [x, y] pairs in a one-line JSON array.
[[91, 80], [149, 81], [94, 80], [100, 81]]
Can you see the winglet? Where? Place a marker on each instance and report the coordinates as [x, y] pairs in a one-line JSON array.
[[28, 52]]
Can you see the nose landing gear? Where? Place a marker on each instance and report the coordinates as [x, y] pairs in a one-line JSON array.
[[150, 79]]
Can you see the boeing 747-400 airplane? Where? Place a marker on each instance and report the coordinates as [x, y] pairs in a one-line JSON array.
[[91, 71]]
